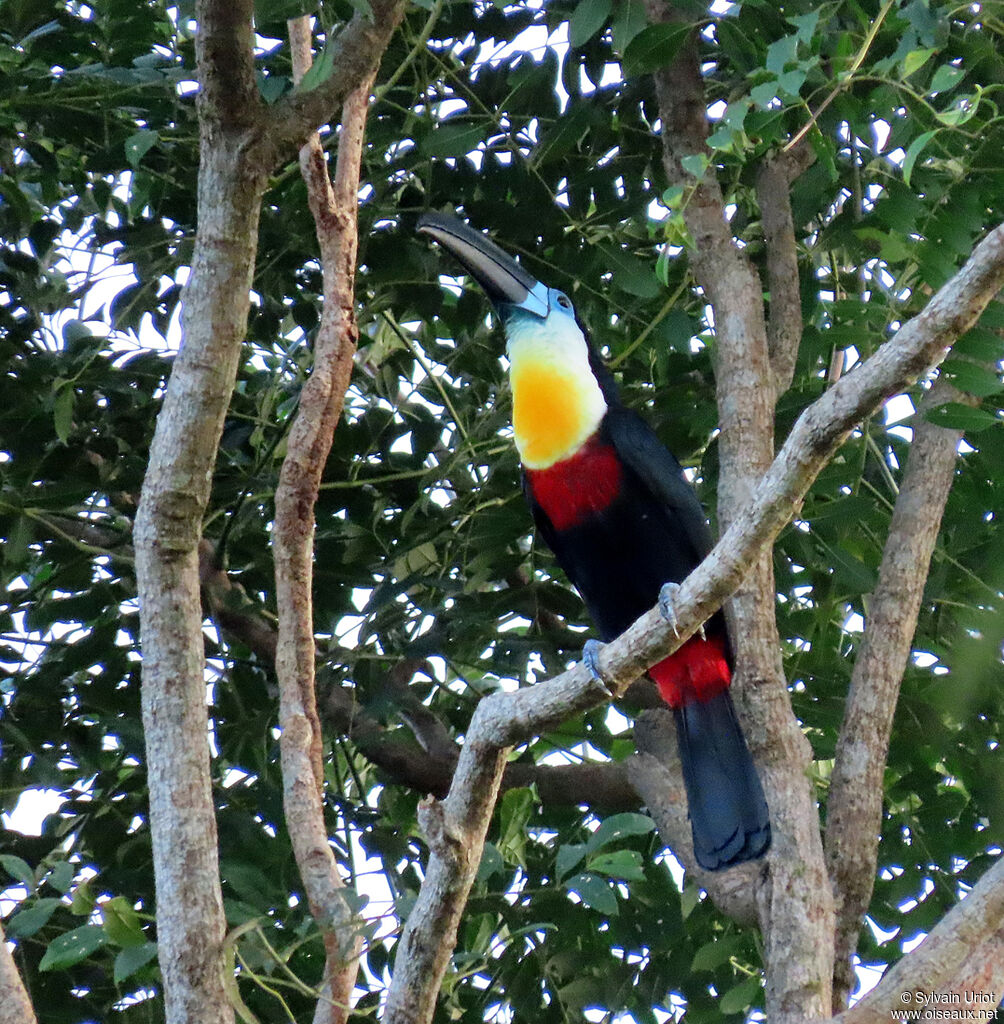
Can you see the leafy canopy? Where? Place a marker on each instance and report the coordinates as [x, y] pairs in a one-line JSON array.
[[427, 572]]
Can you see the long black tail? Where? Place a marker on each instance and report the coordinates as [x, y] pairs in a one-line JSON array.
[[728, 812]]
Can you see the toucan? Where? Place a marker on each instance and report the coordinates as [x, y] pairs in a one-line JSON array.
[[626, 526]]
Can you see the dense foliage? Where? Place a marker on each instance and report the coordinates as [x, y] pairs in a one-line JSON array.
[[426, 570]]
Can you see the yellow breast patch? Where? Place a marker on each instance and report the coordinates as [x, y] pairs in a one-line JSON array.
[[555, 408]]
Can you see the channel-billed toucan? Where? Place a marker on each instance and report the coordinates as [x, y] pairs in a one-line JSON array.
[[622, 519]]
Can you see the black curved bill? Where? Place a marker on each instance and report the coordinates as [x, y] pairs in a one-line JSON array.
[[502, 278]]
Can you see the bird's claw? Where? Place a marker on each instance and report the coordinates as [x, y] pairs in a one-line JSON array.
[[667, 600], [591, 659]]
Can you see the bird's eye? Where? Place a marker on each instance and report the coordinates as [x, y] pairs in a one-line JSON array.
[[564, 302]]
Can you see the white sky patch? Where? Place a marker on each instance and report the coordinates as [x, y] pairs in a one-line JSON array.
[[898, 409], [31, 810], [854, 623]]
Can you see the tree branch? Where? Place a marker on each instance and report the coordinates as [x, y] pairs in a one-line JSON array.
[[355, 54], [964, 948], [235, 614], [228, 95], [605, 785], [505, 719], [797, 905], [321, 401], [784, 322], [854, 805], [15, 1005]]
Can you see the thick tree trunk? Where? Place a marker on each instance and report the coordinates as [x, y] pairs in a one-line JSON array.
[[190, 923], [15, 1006]]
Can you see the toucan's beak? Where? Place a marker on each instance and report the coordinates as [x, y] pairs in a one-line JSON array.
[[505, 282]]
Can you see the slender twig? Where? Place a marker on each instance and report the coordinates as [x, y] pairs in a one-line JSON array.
[[333, 205], [847, 76], [784, 323], [418, 47]]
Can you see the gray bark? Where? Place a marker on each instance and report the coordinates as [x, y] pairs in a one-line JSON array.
[[963, 952], [334, 209], [233, 173], [854, 805]]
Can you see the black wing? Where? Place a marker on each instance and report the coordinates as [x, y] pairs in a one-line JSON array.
[[658, 470]]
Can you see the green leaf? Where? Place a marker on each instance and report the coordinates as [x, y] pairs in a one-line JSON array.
[[695, 164], [281, 10], [62, 412], [915, 59], [625, 864], [764, 94], [619, 826], [491, 862], [453, 138], [716, 952], [28, 921], [736, 999], [781, 53], [689, 899], [76, 332], [515, 809], [72, 947], [806, 25], [569, 856], [791, 82], [629, 20], [963, 109], [595, 893], [19, 869], [914, 150], [993, 316], [587, 19], [633, 275], [133, 958], [972, 378], [318, 72], [957, 416], [722, 140], [892, 246], [982, 344], [271, 87], [653, 48], [139, 144], [945, 78], [122, 923], [855, 574], [83, 900], [61, 876]]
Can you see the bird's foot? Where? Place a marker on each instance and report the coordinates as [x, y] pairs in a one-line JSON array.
[[667, 604], [591, 659], [667, 607]]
